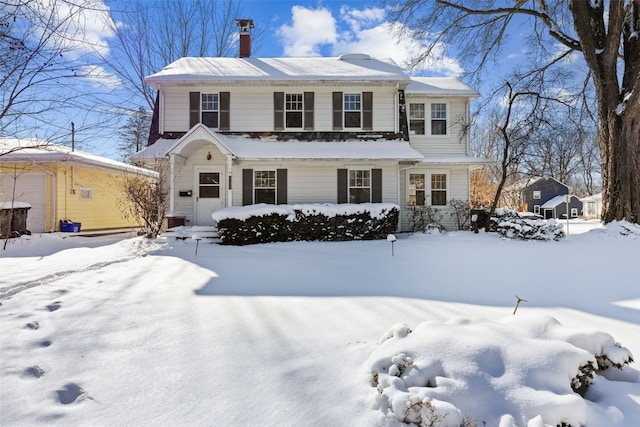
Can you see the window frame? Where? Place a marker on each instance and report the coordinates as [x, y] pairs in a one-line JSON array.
[[261, 188], [287, 103], [536, 209], [85, 193], [433, 120], [573, 212], [352, 111], [354, 198], [215, 102], [416, 190], [440, 190], [536, 195], [418, 120]]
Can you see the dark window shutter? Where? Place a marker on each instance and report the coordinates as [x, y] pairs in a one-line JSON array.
[[376, 185], [224, 111], [308, 110], [281, 179], [247, 187], [367, 110], [278, 110], [194, 109], [343, 190], [337, 110]]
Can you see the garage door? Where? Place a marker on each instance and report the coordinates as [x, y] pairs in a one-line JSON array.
[[30, 188]]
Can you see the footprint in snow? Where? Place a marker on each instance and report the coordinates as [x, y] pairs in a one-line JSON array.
[[70, 393], [33, 372], [54, 306], [44, 343], [32, 325]]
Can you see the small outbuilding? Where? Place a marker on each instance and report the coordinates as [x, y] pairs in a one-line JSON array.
[[558, 207], [592, 206], [59, 183]]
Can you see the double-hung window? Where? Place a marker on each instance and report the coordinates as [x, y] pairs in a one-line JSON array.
[[293, 110], [210, 108], [264, 186], [417, 189], [359, 186], [416, 119], [438, 189], [439, 119], [352, 110]]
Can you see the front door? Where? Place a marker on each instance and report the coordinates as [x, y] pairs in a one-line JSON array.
[[209, 194]]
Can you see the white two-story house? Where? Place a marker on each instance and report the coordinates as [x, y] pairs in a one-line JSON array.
[[348, 129]]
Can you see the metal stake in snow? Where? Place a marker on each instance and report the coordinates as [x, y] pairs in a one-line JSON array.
[[518, 303], [391, 238], [197, 239]]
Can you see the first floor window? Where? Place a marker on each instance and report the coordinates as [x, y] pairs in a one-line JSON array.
[[86, 193], [416, 189], [352, 110], [536, 209], [359, 186], [438, 119], [438, 189], [264, 187], [416, 119], [210, 107], [574, 212]]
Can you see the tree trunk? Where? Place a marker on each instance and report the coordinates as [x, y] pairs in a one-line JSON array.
[[619, 140]]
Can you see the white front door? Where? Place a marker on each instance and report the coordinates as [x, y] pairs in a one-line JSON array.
[[209, 194]]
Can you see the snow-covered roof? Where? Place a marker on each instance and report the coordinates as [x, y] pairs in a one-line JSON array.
[[355, 67], [556, 201], [454, 159], [40, 151], [269, 148], [440, 86]]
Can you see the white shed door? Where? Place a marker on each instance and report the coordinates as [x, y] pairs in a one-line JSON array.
[[29, 188]]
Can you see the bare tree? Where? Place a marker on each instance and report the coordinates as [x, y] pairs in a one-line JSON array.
[[151, 35], [134, 133], [45, 60], [603, 34], [145, 200]]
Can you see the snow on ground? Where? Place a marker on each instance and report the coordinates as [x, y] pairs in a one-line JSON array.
[[107, 331]]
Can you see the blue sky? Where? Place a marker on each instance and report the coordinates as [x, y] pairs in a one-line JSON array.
[[331, 28]]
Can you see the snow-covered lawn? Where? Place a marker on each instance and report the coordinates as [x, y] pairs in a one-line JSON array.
[[106, 331]]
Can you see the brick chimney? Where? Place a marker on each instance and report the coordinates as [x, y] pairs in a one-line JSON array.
[[245, 26]]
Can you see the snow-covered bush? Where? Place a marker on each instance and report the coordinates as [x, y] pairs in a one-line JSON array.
[[425, 219], [454, 373], [325, 222], [509, 224]]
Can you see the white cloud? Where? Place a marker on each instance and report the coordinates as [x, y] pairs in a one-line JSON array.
[[357, 31], [99, 77], [83, 26], [310, 29]]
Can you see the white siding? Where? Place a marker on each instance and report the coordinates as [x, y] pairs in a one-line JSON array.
[[251, 108], [458, 188], [317, 182], [452, 143]]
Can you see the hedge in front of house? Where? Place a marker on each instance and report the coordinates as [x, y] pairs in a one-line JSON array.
[[303, 223]]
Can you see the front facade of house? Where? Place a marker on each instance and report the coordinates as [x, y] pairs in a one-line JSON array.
[[62, 184], [349, 129]]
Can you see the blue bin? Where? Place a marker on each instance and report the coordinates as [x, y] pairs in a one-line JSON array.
[[68, 226]]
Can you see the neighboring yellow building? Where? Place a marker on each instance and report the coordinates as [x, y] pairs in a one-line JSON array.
[[61, 184]]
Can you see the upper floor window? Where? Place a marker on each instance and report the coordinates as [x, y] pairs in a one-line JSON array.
[[439, 119], [294, 109], [536, 195], [416, 119], [352, 110], [210, 108], [359, 186]]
